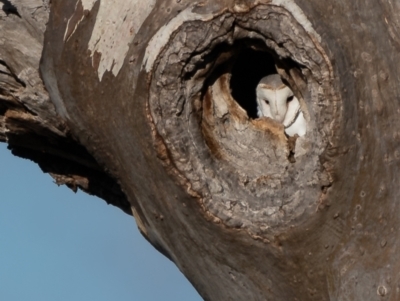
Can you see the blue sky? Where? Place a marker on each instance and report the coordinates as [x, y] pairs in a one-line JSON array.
[[56, 245]]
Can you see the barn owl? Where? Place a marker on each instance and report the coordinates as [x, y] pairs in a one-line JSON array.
[[277, 101]]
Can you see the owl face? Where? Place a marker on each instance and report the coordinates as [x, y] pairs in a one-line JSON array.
[[273, 103]]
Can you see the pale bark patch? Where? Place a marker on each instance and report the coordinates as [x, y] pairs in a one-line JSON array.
[[162, 37], [116, 26]]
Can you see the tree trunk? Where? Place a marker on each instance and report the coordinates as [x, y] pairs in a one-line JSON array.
[[151, 106]]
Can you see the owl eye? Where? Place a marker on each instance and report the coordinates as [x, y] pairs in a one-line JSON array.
[[266, 101], [290, 98]]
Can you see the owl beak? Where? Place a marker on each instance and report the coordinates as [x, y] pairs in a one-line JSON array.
[[279, 117], [278, 108]]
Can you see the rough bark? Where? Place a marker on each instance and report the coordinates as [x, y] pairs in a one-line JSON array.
[[28, 119], [150, 106]]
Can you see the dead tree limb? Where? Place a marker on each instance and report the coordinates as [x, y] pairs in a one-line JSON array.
[[151, 106]]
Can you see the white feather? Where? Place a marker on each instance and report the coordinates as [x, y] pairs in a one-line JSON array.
[[273, 103]]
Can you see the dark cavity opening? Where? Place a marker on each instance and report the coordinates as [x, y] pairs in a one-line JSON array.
[[248, 69]]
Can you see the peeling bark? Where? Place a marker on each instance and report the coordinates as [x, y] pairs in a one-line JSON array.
[[150, 105], [28, 119]]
